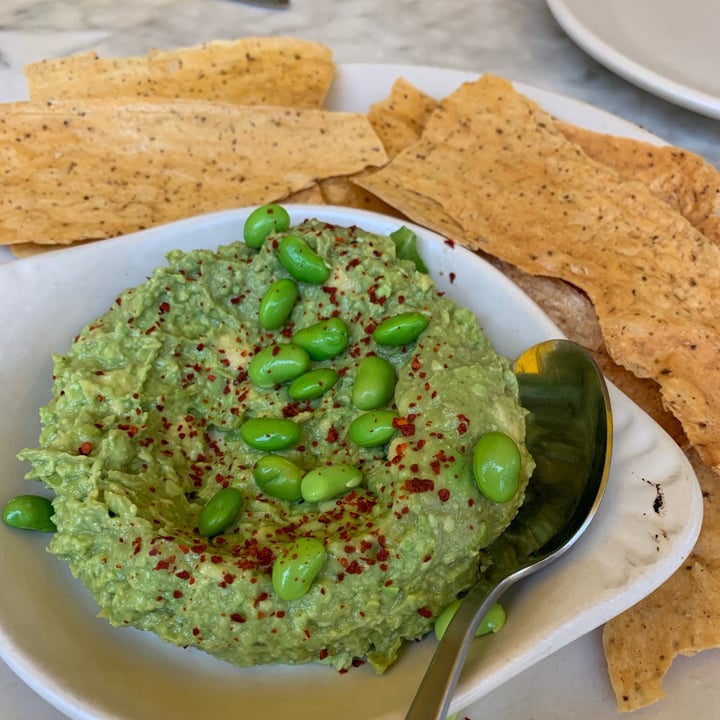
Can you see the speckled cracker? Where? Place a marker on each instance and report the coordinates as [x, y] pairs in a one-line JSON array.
[[684, 180], [398, 121], [248, 71], [400, 118], [493, 164], [77, 170]]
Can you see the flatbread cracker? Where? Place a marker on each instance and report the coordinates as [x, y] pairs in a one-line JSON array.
[[248, 71], [684, 180], [86, 169], [491, 162], [400, 118], [398, 121]]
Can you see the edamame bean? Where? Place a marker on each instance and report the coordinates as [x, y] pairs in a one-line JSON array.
[[270, 433], [374, 383], [492, 622], [301, 261], [277, 303], [29, 512], [262, 221], [372, 429], [278, 477], [323, 340], [329, 481], [313, 384], [296, 566], [278, 364], [496, 466], [400, 329], [220, 512]]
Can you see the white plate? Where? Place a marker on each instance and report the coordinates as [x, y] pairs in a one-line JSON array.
[[48, 630], [666, 47]]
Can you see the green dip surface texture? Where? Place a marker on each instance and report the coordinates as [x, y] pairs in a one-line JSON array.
[[144, 428]]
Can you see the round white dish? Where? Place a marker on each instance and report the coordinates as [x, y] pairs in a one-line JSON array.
[[48, 630], [665, 47]]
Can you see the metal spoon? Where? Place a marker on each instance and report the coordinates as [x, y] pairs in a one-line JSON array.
[[569, 434]]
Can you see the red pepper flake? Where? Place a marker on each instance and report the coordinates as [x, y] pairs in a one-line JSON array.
[[260, 598], [229, 578], [196, 631], [450, 243], [238, 618], [164, 307], [374, 298], [131, 430], [177, 594], [463, 422], [415, 363], [323, 654], [353, 263], [294, 409], [354, 568], [419, 485], [404, 425], [382, 555], [425, 612], [444, 494], [332, 435], [85, 448], [183, 575], [235, 300]]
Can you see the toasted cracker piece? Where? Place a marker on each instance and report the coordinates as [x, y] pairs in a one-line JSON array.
[[492, 163], [400, 118], [684, 180], [398, 121], [248, 71], [309, 196], [679, 618], [85, 169]]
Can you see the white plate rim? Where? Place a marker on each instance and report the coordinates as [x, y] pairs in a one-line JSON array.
[[468, 692], [568, 14]]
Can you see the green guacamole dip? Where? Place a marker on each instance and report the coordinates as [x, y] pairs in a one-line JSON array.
[[143, 429]]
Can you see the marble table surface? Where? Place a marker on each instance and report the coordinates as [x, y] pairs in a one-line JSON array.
[[518, 39]]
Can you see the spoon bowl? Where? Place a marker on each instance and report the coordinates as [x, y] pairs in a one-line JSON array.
[[569, 435]]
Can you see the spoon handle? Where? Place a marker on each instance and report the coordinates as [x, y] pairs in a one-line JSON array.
[[432, 700]]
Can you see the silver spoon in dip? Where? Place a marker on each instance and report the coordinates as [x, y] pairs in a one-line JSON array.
[[569, 435]]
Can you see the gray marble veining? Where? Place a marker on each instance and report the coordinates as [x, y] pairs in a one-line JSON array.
[[518, 39]]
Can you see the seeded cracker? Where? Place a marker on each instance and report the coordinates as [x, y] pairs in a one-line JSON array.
[[85, 169], [682, 179], [248, 71], [492, 164]]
